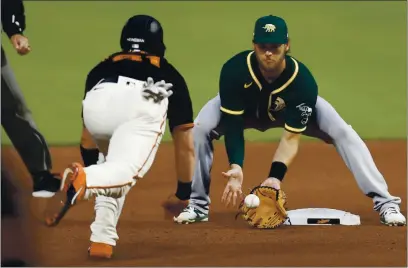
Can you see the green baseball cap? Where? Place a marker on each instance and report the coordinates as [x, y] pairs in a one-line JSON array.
[[270, 29]]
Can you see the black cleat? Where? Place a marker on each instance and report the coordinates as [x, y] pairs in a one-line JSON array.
[[46, 185]]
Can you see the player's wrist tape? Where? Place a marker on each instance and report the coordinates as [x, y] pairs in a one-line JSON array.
[[278, 170]]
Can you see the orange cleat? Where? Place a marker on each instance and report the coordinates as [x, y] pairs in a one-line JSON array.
[[73, 187], [100, 250]]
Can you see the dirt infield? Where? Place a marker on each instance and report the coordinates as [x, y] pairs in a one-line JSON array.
[[317, 178]]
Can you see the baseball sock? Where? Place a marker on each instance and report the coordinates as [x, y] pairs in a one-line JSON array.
[[183, 190]]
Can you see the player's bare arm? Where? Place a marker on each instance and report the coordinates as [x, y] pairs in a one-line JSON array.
[[286, 152], [184, 153], [181, 123], [296, 122], [180, 115]]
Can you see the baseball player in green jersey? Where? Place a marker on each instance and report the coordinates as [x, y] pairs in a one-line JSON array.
[[266, 88]]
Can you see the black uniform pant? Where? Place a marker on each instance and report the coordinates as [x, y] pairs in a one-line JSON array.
[[19, 125]]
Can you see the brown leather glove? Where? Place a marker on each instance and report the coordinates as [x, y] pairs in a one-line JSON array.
[[271, 212]]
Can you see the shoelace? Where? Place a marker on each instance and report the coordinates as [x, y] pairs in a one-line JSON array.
[[193, 210], [390, 211]]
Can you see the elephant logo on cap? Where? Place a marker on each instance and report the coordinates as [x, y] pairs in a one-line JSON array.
[[269, 28]]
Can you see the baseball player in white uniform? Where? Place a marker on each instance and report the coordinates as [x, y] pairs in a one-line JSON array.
[[127, 100]]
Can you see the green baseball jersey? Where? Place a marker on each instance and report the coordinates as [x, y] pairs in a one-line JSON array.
[[291, 98], [244, 93]]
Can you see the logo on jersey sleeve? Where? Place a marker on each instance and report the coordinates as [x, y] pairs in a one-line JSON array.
[[306, 112]]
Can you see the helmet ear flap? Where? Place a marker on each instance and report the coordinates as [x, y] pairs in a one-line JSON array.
[[159, 49], [123, 44]]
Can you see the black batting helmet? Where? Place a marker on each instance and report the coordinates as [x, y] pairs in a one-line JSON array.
[[143, 32]]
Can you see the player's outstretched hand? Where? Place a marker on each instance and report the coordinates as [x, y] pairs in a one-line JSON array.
[[233, 189]]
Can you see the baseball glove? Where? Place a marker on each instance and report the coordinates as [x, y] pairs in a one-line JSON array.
[[271, 212]]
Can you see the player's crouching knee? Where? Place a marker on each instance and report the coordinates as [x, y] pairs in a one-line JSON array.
[[201, 132], [118, 192]]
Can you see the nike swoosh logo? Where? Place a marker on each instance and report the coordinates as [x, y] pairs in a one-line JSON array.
[[247, 85]]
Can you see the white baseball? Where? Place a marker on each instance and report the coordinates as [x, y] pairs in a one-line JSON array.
[[252, 201]]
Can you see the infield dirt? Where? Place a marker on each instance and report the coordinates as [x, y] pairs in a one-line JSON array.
[[317, 178]]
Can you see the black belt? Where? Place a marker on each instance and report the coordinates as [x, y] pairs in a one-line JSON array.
[[111, 79]]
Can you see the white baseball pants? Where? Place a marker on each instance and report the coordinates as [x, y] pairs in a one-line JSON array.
[[107, 213], [127, 129]]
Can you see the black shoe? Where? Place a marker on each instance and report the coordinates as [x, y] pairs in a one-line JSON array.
[[46, 185]]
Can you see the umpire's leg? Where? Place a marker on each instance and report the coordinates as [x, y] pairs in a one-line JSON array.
[[18, 124]]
